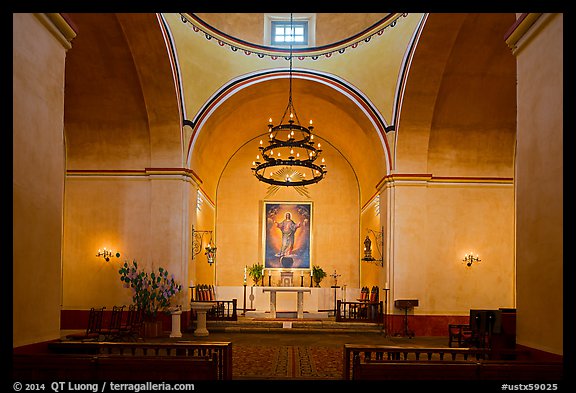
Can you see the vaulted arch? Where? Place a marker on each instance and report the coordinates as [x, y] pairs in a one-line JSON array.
[[342, 116], [122, 108], [458, 116]]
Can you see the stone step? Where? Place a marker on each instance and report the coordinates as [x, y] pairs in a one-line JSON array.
[[292, 325]]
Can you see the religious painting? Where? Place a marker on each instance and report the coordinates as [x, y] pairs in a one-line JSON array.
[[287, 235]]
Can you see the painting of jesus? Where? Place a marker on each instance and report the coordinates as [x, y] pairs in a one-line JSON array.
[[287, 235]]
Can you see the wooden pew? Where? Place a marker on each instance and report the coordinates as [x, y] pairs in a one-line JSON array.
[[521, 370], [49, 366], [157, 368], [458, 370], [52, 366], [380, 362], [414, 370], [222, 351]]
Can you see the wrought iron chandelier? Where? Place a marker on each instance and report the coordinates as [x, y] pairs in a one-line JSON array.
[[290, 158]]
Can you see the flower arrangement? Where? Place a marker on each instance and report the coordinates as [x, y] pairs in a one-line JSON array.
[[151, 292], [256, 271], [318, 273]]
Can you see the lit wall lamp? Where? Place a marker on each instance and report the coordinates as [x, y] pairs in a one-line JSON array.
[[470, 258], [379, 237], [107, 254], [197, 237]]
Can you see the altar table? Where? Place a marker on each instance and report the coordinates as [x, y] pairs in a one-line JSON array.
[[300, 298]]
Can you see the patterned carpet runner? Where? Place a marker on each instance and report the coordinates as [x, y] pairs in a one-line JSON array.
[[286, 362]]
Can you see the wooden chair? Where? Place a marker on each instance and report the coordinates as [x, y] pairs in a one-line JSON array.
[[357, 310], [461, 334], [112, 332], [131, 327], [369, 301], [223, 310], [93, 328]]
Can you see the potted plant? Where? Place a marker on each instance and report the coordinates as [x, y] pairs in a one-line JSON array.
[[151, 292], [256, 272], [318, 274]]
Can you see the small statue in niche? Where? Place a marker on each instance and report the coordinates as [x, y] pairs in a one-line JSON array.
[[367, 248]]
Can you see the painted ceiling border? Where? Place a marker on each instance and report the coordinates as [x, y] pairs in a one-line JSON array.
[[223, 39]]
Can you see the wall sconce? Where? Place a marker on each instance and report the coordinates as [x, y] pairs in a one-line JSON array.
[[379, 237], [197, 237], [470, 258], [107, 254]]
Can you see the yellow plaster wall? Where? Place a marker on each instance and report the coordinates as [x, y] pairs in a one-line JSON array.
[[205, 217], [539, 185], [335, 227], [371, 273], [434, 226], [143, 219], [38, 178]]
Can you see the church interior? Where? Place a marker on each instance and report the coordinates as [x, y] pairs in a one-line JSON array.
[[431, 168]]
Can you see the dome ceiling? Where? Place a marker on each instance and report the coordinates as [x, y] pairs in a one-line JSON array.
[[224, 54], [355, 97]]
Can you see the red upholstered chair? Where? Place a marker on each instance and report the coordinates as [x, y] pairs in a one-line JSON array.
[[222, 310], [461, 334]]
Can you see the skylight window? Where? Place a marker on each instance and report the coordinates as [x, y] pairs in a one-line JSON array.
[[283, 30], [286, 33]]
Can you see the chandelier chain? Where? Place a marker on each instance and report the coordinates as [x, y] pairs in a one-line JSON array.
[[289, 162]]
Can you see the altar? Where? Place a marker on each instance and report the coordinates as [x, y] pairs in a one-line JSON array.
[[253, 302], [299, 299]]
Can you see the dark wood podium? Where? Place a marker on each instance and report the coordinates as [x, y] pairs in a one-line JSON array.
[[406, 304]]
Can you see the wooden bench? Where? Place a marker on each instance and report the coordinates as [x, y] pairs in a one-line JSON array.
[[414, 370], [52, 366], [458, 370], [521, 370], [224, 310], [221, 352], [381, 362], [360, 353], [49, 366]]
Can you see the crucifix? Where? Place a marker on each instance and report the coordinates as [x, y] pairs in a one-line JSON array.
[[335, 277], [335, 286]]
